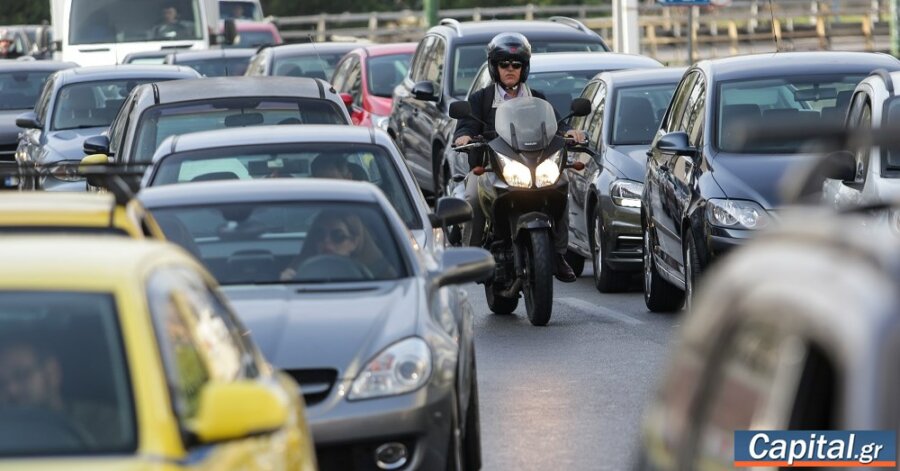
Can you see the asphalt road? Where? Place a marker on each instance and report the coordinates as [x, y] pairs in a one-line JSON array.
[[569, 395]]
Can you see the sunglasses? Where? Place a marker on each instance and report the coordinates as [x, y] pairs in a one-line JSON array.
[[337, 236], [507, 64]]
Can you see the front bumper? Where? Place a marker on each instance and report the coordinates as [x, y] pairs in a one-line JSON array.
[[624, 237], [721, 240], [347, 433]]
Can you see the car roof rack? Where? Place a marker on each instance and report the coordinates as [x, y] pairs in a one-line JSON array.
[[453, 23], [570, 22], [886, 76]]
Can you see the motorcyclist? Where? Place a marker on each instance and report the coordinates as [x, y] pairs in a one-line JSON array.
[[509, 56]]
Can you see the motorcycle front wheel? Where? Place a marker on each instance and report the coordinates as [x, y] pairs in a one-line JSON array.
[[539, 269]]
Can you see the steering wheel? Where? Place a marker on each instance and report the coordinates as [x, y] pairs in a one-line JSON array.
[[26, 428], [332, 268]]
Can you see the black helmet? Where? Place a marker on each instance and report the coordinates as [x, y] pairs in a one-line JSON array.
[[510, 47]]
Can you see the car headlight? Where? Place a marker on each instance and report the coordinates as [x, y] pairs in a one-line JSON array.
[[380, 122], [514, 173], [626, 193], [547, 173], [736, 214], [401, 368], [67, 172]]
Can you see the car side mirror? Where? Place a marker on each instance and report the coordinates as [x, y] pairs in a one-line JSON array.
[[677, 143], [94, 160], [229, 32], [96, 145], [450, 211], [460, 109], [232, 410], [581, 107], [425, 91], [840, 165], [465, 265], [28, 120]]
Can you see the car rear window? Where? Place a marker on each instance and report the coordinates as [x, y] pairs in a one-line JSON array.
[[64, 382], [160, 122], [287, 242], [313, 65], [362, 162], [219, 67]]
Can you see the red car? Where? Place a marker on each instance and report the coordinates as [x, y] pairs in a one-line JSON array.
[[253, 34], [366, 78]]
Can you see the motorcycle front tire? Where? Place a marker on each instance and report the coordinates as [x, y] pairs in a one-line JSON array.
[[538, 287]]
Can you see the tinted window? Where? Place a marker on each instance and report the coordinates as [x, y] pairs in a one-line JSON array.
[[296, 242], [561, 88], [94, 22], [20, 90], [312, 65], [92, 104], [254, 39], [231, 9], [580, 122], [775, 100], [220, 67], [160, 122], [468, 59], [385, 72], [64, 383], [638, 113], [301, 160]]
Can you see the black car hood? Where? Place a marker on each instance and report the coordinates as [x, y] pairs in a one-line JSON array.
[[753, 177], [9, 132], [337, 330], [630, 161], [68, 144]]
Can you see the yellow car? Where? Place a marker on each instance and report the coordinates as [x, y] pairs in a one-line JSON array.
[[117, 354], [75, 212]]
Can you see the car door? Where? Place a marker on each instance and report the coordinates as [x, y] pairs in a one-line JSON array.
[[580, 181], [198, 345], [685, 170], [660, 185], [424, 116], [404, 101]]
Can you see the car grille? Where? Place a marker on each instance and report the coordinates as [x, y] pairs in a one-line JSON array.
[[8, 152], [315, 384]]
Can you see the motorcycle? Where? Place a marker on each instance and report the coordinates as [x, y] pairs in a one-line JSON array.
[[525, 187]]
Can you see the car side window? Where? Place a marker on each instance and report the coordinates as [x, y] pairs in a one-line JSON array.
[[752, 386], [435, 63], [695, 115], [186, 370], [43, 102], [580, 122], [417, 68], [120, 127], [595, 127], [679, 101], [862, 152], [354, 82], [340, 74]]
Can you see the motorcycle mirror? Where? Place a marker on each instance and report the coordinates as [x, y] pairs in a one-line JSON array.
[[581, 107], [460, 109]]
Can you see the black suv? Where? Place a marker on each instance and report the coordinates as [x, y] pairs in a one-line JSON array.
[[419, 120]]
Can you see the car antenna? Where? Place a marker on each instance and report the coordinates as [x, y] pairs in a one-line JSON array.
[[316, 50], [774, 35]]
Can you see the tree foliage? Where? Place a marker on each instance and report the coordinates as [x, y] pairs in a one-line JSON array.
[[17, 12]]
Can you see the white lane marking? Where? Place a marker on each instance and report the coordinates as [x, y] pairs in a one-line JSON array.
[[603, 311]]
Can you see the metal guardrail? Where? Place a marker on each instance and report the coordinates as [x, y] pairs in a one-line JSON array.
[[802, 24]]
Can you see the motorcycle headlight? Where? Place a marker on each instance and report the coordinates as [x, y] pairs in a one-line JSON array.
[[626, 193], [736, 214], [547, 173], [514, 173], [380, 122], [401, 368]]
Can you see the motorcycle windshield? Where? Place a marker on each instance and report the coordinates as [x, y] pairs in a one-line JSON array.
[[526, 124]]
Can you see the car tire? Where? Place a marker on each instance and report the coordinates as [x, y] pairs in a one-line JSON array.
[[692, 268], [606, 279], [659, 294], [576, 262], [499, 304], [472, 437]]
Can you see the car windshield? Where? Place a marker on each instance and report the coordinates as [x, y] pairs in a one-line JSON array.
[[64, 383], [469, 58], [561, 88], [92, 104], [160, 122], [237, 10], [253, 39], [218, 67], [363, 162], [123, 21], [818, 100], [287, 242], [20, 90], [385, 72], [638, 112], [312, 65]]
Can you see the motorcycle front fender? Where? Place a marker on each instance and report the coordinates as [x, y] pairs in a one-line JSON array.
[[530, 222]]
